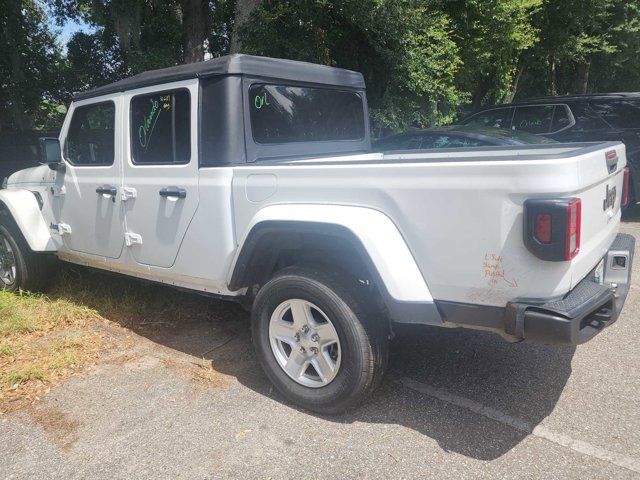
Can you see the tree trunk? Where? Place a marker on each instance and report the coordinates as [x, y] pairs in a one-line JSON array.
[[514, 88], [582, 77], [12, 33], [552, 73], [243, 11], [195, 29]]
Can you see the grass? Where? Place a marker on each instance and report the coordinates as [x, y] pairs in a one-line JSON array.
[[46, 338], [42, 339]]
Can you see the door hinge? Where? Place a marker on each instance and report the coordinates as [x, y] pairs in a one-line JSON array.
[[127, 193], [131, 239], [62, 228], [58, 191]]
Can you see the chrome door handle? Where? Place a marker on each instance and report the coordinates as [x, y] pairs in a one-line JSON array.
[[175, 192]]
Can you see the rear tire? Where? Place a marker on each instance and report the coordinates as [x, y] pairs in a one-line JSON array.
[[318, 339], [20, 267]]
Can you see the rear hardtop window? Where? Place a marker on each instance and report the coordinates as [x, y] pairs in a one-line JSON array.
[[291, 114]]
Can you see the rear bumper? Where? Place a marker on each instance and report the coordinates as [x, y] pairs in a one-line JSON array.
[[585, 311], [576, 318]]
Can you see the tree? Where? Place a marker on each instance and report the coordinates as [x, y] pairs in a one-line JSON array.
[[402, 47], [493, 37], [243, 11], [30, 64]]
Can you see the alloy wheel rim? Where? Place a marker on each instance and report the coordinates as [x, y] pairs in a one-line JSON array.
[[305, 343], [8, 267]]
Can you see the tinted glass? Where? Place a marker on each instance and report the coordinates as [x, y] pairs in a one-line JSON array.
[[283, 114], [161, 127], [561, 118], [496, 118], [534, 119], [401, 142], [586, 118], [90, 139], [620, 114], [451, 141]]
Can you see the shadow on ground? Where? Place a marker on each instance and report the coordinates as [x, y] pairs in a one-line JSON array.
[[521, 380]]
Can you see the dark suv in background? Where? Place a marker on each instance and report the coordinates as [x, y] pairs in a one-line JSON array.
[[574, 118], [20, 150]]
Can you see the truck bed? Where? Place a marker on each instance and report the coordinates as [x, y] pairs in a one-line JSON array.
[[460, 211]]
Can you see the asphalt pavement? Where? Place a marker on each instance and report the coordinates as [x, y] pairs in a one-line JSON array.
[[191, 402]]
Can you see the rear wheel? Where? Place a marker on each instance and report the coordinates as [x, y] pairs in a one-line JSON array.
[[20, 267], [317, 339]]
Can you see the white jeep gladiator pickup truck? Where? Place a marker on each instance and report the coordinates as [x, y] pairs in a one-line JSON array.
[[252, 179]]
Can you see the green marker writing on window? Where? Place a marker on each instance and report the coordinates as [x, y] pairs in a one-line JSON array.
[[260, 100], [148, 123]]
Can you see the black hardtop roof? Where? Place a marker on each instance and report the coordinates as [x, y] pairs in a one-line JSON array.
[[269, 68]]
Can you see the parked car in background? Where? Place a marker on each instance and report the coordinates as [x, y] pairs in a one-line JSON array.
[[575, 118], [20, 150], [457, 137]]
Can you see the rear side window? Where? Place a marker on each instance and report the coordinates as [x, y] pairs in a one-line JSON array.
[[161, 127], [90, 139], [285, 114], [621, 114], [533, 119], [496, 118]]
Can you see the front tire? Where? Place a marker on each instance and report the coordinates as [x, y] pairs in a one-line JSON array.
[[318, 339], [20, 267]]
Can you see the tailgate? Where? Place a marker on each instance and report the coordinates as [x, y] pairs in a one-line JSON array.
[[601, 173]]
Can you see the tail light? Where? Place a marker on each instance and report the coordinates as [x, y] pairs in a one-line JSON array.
[[543, 228], [625, 187], [552, 228], [574, 214]]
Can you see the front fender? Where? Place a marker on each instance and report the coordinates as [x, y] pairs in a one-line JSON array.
[[23, 208], [378, 235]]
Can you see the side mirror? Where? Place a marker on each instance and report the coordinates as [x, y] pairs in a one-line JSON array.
[[50, 153]]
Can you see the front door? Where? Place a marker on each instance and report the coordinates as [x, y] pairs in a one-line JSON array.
[[161, 170], [85, 196]]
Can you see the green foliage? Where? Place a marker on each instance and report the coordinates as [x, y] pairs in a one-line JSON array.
[[30, 65], [402, 47], [423, 60], [492, 36]]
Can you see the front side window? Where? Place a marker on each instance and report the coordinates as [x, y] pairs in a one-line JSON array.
[[161, 128], [495, 118], [533, 119], [90, 139], [286, 114]]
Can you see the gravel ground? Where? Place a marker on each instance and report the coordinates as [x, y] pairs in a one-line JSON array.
[[456, 404]]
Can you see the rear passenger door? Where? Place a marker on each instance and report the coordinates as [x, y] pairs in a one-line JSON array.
[[160, 192]]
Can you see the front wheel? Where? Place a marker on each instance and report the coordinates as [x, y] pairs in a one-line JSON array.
[[20, 267], [317, 339]]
